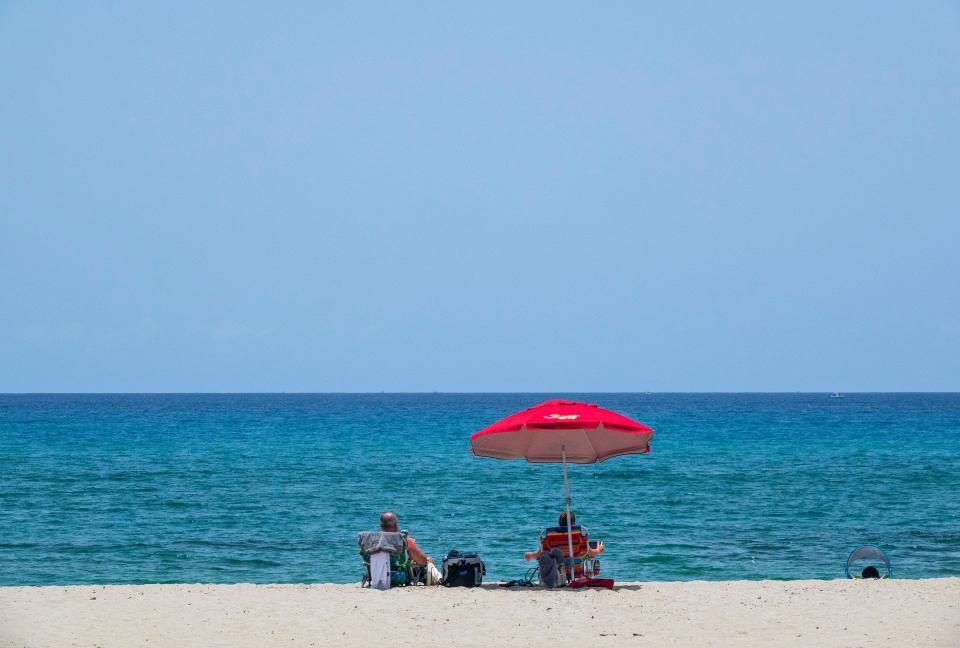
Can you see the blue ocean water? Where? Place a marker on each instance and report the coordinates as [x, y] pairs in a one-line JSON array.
[[274, 488]]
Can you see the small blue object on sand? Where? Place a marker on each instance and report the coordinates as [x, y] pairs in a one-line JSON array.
[[868, 552]]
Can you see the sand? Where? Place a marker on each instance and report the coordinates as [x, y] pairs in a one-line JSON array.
[[739, 613]]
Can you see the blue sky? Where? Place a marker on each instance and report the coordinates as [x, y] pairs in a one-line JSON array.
[[547, 197]]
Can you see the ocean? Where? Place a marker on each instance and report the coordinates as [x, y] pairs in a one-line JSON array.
[[270, 488]]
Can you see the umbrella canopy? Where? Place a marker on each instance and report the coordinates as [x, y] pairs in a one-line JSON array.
[[561, 431], [583, 432]]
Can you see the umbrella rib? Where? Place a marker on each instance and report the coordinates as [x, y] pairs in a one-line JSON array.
[[590, 441], [526, 448]]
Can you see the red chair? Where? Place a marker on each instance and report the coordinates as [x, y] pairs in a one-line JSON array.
[[556, 538]]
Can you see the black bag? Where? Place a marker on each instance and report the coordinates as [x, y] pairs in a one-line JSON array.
[[462, 570]]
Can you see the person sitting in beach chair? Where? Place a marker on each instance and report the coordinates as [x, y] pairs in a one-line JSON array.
[[389, 523], [555, 545], [393, 559], [868, 554]]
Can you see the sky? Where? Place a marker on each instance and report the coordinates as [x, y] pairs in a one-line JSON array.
[[547, 197]]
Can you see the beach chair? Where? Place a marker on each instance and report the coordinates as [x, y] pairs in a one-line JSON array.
[[403, 571], [866, 554], [556, 538]]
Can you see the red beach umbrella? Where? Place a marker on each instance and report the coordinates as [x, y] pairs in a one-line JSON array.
[[561, 431]]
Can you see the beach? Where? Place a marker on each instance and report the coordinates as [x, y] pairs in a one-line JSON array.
[[699, 613]]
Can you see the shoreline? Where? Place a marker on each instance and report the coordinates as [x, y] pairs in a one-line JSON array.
[[898, 612]]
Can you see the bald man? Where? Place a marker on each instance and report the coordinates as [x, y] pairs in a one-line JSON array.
[[388, 522]]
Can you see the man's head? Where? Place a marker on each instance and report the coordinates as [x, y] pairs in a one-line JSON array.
[[563, 519], [870, 572], [388, 521]]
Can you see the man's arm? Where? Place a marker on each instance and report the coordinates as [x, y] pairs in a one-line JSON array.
[[416, 554], [593, 553]]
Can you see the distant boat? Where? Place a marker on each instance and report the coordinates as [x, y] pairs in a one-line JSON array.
[[836, 395]]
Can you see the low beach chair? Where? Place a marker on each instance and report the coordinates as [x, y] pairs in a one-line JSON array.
[[392, 546], [556, 538]]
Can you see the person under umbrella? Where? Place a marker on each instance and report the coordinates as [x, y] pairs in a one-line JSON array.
[[562, 431], [592, 552]]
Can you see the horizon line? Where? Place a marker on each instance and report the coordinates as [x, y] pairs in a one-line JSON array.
[[446, 393]]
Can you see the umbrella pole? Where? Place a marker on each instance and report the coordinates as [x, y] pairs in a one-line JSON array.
[[566, 496]]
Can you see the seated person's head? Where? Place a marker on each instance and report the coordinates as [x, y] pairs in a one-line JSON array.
[[563, 519], [870, 572], [388, 521]]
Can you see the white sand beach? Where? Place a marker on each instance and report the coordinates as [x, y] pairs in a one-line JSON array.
[[738, 613]]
